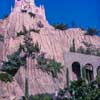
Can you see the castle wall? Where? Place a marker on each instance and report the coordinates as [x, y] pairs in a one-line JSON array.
[[83, 60]]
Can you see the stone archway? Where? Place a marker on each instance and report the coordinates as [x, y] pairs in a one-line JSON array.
[[76, 70]]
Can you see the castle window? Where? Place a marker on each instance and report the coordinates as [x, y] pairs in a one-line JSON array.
[[76, 70], [89, 72]]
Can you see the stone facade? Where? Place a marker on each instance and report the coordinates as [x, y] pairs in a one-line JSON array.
[[82, 59]]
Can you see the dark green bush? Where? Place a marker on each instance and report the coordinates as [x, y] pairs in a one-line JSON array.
[[80, 90], [60, 26], [39, 97], [92, 31], [54, 67], [13, 64], [49, 65], [5, 77]]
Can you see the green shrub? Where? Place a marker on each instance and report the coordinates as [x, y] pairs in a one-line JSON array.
[[5, 77], [49, 65], [39, 97], [54, 67], [80, 90], [14, 62], [60, 26], [92, 31]]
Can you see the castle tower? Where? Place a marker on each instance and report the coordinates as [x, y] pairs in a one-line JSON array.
[[24, 3]]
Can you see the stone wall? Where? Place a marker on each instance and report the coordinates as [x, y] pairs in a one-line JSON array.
[[83, 59]]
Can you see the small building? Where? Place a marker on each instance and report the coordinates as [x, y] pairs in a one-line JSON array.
[[76, 61]]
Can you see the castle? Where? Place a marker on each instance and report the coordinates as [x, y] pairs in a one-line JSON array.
[[55, 43]]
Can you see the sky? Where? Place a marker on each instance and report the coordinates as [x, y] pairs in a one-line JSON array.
[[84, 13]]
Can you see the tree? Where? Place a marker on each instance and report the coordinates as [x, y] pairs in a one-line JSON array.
[[61, 26], [30, 50], [92, 31], [49, 65]]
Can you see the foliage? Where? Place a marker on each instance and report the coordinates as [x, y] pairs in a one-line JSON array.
[[6, 77], [84, 73], [98, 79], [29, 47], [1, 38], [41, 60], [49, 65], [98, 52], [82, 91], [14, 62], [67, 77], [25, 31], [88, 49], [54, 67], [60, 26], [92, 31], [39, 97], [81, 50]]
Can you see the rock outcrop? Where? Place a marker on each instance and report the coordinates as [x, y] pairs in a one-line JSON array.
[[53, 42]]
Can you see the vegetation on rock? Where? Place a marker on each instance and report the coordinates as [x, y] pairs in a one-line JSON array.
[[5, 77], [60, 26], [49, 65], [14, 62], [92, 31], [39, 97], [25, 31]]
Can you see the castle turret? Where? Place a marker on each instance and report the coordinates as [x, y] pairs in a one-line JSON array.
[[21, 2], [24, 4]]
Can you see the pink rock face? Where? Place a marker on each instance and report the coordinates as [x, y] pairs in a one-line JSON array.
[[53, 42]]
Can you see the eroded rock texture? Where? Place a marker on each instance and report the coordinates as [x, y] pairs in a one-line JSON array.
[[53, 42]]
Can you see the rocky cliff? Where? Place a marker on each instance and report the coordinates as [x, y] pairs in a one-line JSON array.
[[53, 42]]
